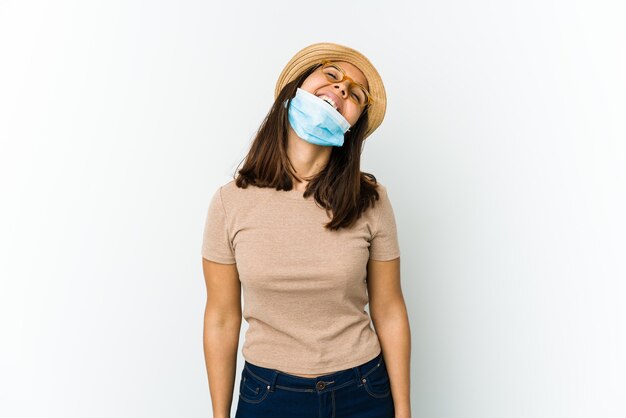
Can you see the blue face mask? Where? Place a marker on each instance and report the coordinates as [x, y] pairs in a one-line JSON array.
[[316, 121]]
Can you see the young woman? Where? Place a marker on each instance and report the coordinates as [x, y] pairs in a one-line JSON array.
[[311, 239]]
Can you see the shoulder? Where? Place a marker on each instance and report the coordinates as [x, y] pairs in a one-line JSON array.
[[382, 191], [383, 206], [239, 198], [377, 198], [229, 187], [381, 187]]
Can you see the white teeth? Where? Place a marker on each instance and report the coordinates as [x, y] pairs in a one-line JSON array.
[[328, 99]]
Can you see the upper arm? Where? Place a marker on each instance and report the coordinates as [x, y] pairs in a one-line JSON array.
[[223, 290], [219, 264], [383, 286], [383, 266]]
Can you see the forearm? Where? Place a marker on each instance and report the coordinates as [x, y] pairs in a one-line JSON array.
[[394, 335], [221, 340]]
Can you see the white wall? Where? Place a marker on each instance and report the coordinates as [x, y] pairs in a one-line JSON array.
[[503, 150]]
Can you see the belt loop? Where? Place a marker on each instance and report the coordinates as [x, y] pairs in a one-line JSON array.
[[357, 373], [273, 380]]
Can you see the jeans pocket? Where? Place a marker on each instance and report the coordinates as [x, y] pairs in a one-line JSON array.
[[376, 381], [251, 389]]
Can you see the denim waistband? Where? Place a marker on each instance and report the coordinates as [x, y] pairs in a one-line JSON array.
[[277, 379]]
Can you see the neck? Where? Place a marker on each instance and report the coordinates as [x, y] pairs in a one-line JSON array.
[[307, 159]]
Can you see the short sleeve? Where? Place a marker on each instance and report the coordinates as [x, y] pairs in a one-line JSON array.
[[384, 245], [216, 244]]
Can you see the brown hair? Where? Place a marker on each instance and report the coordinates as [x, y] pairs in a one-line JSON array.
[[340, 187]]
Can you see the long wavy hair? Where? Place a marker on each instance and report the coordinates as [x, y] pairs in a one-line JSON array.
[[341, 187]]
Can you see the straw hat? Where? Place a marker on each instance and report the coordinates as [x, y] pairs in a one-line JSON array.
[[314, 53]]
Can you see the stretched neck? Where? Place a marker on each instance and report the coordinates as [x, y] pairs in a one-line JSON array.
[[307, 159]]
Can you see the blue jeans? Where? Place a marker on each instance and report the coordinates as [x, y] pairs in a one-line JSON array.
[[362, 391]]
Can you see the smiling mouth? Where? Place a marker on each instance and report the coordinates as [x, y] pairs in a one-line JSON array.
[[330, 101]]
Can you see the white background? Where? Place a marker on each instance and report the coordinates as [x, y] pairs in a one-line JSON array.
[[503, 150]]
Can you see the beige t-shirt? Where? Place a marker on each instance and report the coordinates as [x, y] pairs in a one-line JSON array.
[[303, 286]]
